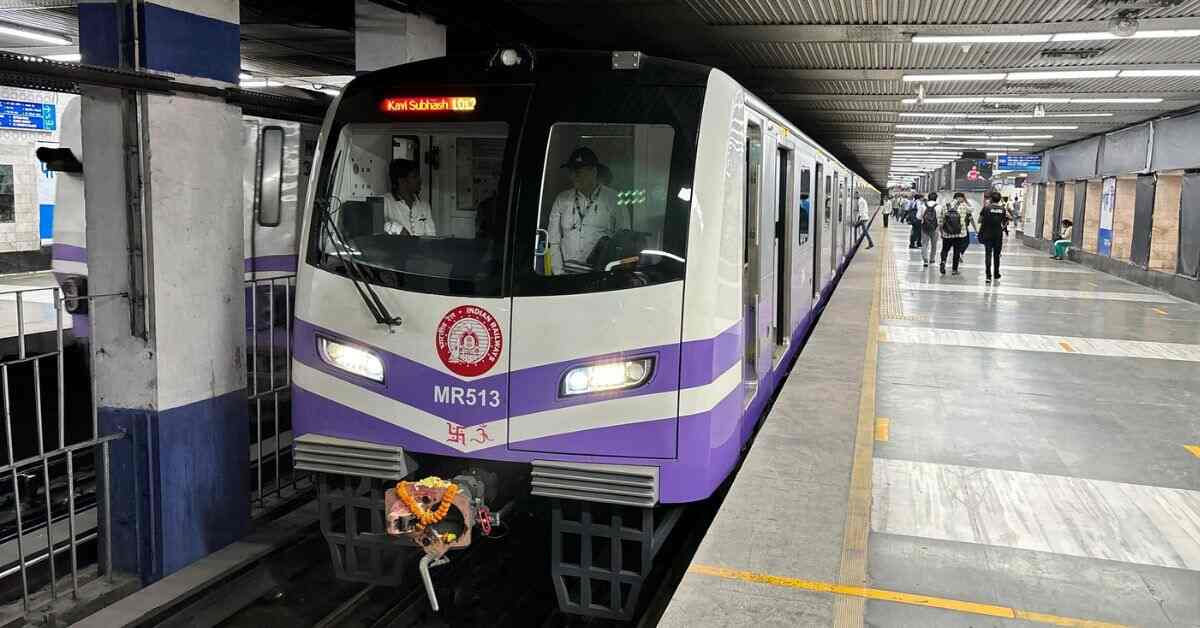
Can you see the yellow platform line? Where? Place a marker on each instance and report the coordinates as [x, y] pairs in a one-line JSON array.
[[848, 612], [1195, 449], [882, 429], [862, 594], [1159, 311], [1067, 346]]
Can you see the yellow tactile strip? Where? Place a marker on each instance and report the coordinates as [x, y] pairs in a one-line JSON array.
[[848, 611], [891, 307], [862, 594]]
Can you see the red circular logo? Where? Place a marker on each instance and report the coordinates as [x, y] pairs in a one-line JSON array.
[[469, 340]]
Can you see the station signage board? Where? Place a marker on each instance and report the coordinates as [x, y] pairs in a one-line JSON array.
[[27, 116], [1023, 162]]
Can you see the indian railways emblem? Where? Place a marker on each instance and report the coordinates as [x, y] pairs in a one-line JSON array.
[[469, 341]]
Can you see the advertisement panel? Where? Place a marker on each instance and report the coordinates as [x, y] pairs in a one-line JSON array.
[[1108, 200], [972, 175]]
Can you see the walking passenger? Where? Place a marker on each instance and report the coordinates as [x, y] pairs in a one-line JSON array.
[[864, 217], [993, 220], [928, 218], [1062, 239], [955, 231], [910, 216]]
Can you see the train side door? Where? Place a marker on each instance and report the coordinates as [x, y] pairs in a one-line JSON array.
[[782, 257], [804, 272], [750, 259], [820, 227], [832, 203]]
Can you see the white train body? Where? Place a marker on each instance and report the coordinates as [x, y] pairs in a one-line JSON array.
[[713, 304]]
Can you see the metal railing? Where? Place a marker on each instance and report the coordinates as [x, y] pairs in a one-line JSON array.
[[51, 501], [269, 349]]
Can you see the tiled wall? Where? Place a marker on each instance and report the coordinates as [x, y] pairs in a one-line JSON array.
[[17, 148], [1122, 246], [1164, 236], [1048, 213], [1091, 216]]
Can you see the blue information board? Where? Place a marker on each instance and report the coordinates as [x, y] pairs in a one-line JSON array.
[[27, 116], [1023, 162]]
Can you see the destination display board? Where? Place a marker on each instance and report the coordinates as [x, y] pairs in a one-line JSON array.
[[1023, 162]]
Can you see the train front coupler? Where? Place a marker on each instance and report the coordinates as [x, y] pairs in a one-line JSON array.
[[440, 515]]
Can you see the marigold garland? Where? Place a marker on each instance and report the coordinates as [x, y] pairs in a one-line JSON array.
[[424, 517]]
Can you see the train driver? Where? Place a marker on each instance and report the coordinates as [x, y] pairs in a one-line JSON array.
[[581, 215], [404, 212]]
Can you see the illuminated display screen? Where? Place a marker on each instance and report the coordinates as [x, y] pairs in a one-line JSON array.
[[428, 104]]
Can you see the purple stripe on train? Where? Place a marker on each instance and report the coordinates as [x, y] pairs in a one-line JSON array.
[[68, 253], [413, 383], [708, 443], [271, 263], [703, 461]]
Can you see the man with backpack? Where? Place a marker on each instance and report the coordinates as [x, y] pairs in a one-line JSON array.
[[993, 221], [927, 224], [910, 216], [954, 230]]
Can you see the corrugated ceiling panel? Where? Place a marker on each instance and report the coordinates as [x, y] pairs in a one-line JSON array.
[[916, 11], [903, 56]]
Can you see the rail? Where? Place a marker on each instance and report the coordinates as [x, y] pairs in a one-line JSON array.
[[55, 459], [269, 348]]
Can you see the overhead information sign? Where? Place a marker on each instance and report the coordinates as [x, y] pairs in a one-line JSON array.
[[27, 116], [1023, 162]]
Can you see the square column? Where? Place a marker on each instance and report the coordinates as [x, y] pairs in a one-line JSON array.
[[180, 479]]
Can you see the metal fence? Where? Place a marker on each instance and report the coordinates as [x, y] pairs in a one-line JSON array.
[[269, 349], [52, 512]]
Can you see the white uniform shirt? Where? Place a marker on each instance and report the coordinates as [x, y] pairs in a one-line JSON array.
[[577, 222], [864, 214], [398, 216]]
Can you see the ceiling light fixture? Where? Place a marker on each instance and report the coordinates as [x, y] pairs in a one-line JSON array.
[[991, 127], [1061, 75], [252, 84], [998, 116], [24, 33], [1045, 37], [1028, 100], [981, 39], [910, 78], [1160, 73], [68, 58], [1108, 101]]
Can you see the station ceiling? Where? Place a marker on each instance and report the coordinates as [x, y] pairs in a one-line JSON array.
[[841, 69]]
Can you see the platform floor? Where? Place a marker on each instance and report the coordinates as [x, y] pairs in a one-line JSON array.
[[1033, 451]]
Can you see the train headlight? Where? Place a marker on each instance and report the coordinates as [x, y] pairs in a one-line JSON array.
[[607, 376], [351, 359]]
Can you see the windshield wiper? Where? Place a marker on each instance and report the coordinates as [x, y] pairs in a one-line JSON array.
[[355, 273]]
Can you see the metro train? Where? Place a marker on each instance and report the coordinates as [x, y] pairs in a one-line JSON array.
[[629, 251], [277, 155]]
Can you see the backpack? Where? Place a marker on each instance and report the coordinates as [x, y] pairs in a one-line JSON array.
[[953, 221], [929, 221]]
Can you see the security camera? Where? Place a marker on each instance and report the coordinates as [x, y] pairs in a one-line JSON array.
[[1123, 26]]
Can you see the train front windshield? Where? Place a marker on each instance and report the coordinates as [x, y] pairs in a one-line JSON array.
[[424, 201]]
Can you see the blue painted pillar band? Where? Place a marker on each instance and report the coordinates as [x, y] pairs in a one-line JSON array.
[[180, 483], [173, 40]]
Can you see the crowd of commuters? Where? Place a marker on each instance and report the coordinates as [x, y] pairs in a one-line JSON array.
[[943, 230]]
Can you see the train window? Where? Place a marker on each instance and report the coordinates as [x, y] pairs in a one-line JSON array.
[[604, 199], [805, 203], [270, 176], [415, 203]]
